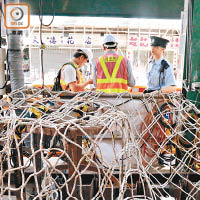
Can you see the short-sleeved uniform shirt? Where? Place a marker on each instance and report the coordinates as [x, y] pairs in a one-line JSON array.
[[153, 75], [69, 74]]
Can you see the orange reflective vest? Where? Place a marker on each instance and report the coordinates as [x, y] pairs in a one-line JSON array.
[[79, 77], [112, 75]]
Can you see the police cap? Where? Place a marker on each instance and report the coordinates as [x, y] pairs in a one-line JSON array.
[[158, 41]]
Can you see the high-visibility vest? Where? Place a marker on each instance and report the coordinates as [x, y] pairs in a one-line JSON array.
[[112, 75], [79, 77]]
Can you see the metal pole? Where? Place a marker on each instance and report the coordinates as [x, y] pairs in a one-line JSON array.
[[2, 67], [15, 55]]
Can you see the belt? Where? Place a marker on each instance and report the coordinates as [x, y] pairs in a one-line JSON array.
[[148, 91]]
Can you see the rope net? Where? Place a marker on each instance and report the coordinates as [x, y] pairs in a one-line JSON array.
[[95, 146]]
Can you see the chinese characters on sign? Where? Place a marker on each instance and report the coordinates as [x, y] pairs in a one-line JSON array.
[[70, 40], [52, 40], [88, 41], [129, 55], [35, 40], [135, 41], [175, 60], [174, 41], [60, 40], [144, 41]]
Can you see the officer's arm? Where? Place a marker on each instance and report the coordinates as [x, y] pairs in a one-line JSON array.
[[169, 89], [77, 87], [170, 83], [131, 78]]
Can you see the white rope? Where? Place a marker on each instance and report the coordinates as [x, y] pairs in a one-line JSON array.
[[132, 147]]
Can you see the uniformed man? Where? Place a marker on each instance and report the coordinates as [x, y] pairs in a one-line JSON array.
[[160, 75], [70, 75], [112, 72]]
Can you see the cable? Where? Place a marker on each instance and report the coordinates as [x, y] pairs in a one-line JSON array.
[[188, 50], [42, 44], [41, 55], [144, 105], [40, 13], [124, 102]]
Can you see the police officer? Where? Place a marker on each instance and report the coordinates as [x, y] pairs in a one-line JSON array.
[[112, 72], [70, 74], [160, 74]]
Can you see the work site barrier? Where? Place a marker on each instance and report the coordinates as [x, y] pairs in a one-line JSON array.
[[98, 146]]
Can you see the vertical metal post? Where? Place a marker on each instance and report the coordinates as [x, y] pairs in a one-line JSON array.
[[15, 55], [194, 68], [2, 59]]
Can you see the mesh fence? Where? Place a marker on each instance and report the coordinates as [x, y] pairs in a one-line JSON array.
[[95, 146]]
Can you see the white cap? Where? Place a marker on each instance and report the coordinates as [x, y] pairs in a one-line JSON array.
[[109, 38], [88, 52]]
